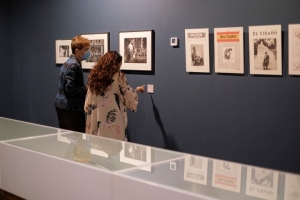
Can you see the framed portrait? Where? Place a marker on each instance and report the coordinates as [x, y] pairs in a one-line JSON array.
[[197, 50], [265, 50], [136, 47], [229, 50], [62, 50], [294, 49], [137, 155], [99, 46]]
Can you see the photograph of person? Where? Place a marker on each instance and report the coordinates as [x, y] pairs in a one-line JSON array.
[[197, 55], [265, 52], [135, 50]]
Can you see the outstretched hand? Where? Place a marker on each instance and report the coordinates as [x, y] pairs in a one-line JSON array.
[[140, 89]]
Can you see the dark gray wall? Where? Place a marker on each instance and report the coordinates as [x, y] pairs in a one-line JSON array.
[[244, 118], [6, 108]]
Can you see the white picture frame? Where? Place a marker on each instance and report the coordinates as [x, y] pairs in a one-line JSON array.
[[99, 45], [197, 50], [136, 47], [294, 49], [229, 50], [136, 155], [62, 51], [265, 50]]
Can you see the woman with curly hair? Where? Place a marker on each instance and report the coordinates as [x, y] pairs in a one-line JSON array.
[[108, 98]]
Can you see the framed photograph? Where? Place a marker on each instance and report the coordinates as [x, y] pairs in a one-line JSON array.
[[294, 49], [197, 50], [136, 48], [265, 50], [137, 155], [99, 46], [62, 50], [229, 50]]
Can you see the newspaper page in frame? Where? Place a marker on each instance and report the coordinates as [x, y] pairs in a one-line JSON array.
[[226, 175], [197, 50], [229, 50], [292, 187], [294, 49], [195, 169], [265, 50], [262, 183]]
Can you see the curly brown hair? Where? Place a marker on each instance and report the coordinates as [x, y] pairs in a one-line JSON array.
[[101, 76]]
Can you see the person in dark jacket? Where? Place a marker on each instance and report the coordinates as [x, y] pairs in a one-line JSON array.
[[69, 102]]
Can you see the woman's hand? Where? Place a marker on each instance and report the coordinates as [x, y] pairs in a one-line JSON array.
[[140, 89]]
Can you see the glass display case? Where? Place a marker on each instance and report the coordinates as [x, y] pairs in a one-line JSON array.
[[38, 162]]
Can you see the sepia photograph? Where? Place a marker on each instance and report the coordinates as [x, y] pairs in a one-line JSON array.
[[265, 50], [136, 47], [197, 55], [62, 50], [99, 45], [265, 54]]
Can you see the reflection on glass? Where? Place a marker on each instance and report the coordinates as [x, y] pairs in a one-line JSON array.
[[104, 147], [195, 169], [262, 183], [226, 175], [82, 150]]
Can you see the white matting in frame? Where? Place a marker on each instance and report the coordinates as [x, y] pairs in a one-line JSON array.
[[294, 49], [137, 155], [99, 45], [197, 50], [136, 49], [265, 50], [229, 53], [62, 50]]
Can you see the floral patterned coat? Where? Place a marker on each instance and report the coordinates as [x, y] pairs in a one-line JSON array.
[[106, 114]]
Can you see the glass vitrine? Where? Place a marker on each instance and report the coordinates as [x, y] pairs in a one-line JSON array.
[[39, 162]]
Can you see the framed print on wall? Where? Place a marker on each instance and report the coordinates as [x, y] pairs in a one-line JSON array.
[[62, 50], [136, 48], [197, 50], [229, 54], [294, 49], [99, 46], [265, 50]]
